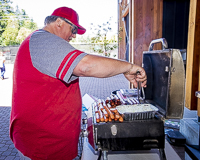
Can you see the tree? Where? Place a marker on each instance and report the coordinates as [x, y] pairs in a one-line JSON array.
[[5, 9], [29, 24], [15, 26], [103, 44], [22, 34], [10, 33]]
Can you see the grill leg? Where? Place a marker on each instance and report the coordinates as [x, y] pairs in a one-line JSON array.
[[105, 155], [162, 154]]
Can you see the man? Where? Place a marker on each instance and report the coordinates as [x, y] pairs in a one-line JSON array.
[[46, 104]]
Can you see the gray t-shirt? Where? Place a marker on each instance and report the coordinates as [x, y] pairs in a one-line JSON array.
[[54, 56]]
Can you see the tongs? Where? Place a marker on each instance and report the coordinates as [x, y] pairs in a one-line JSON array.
[[140, 91]]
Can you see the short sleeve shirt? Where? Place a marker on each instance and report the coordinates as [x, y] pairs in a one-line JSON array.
[[46, 100], [49, 51]]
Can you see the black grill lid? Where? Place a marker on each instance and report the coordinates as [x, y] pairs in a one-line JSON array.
[[165, 80]]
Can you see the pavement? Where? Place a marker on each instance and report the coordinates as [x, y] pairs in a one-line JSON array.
[[7, 149], [98, 87]]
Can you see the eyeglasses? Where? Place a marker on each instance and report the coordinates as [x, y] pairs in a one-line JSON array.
[[74, 28]]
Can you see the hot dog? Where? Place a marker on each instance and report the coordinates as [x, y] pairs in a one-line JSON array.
[[108, 105], [101, 116], [103, 110], [106, 119], [112, 101], [117, 116], [109, 119], [100, 105], [97, 117], [105, 113], [107, 100], [114, 110], [118, 102], [96, 110], [121, 119], [108, 111]]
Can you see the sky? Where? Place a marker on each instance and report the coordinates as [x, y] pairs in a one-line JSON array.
[[89, 11]]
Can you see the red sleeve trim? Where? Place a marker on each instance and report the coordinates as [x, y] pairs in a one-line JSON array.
[[68, 64]]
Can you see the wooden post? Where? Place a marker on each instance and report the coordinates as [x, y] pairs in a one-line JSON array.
[[193, 49], [131, 32], [121, 30], [198, 50], [198, 99]]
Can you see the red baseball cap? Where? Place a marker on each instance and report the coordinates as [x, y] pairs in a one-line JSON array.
[[70, 15]]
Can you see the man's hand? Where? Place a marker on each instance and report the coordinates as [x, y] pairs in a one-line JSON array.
[[133, 76]]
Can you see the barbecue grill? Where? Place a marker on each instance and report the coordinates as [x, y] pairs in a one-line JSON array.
[[165, 90]]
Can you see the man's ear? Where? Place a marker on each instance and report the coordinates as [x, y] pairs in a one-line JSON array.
[[59, 22]]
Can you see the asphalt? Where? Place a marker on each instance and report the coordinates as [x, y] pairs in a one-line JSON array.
[[98, 87]]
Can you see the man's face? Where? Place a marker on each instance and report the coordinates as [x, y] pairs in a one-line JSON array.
[[67, 31]]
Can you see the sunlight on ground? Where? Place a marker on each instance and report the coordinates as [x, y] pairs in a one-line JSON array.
[[6, 86]]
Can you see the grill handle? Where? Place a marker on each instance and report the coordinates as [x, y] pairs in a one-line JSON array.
[[140, 90], [160, 40]]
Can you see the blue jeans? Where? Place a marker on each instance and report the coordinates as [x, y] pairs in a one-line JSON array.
[[3, 70]]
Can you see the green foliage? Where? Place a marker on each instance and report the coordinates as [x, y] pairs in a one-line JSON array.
[[80, 39], [103, 44], [29, 24], [10, 33], [15, 26], [22, 34], [5, 9]]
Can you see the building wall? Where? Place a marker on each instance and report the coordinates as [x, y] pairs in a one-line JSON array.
[[145, 25]]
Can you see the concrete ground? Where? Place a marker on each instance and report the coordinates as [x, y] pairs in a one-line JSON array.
[[100, 88], [7, 149]]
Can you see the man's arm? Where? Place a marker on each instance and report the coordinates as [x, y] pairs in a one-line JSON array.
[[102, 67]]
